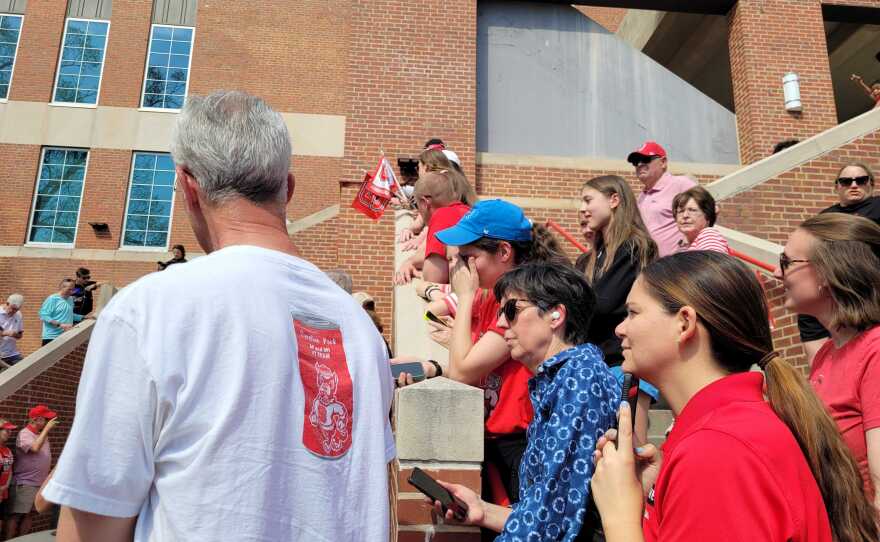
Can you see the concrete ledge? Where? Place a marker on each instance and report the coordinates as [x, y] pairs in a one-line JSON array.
[[596, 164], [18, 251], [439, 420], [20, 374], [306, 222]]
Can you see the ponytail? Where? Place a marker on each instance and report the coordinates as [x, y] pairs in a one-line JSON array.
[[852, 517], [543, 247]]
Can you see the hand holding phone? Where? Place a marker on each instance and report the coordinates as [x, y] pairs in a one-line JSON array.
[[434, 491], [629, 392], [413, 368], [431, 317]]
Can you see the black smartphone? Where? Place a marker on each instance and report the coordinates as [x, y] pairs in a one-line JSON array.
[[430, 488], [430, 316], [412, 367], [629, 392]]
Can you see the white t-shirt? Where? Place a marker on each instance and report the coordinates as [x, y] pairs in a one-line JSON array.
[[8, 346], [214, 405]]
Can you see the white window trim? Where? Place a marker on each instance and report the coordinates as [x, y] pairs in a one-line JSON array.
[[192, 49], [122, 245], [15, 58], [61, 55], [82, 196]]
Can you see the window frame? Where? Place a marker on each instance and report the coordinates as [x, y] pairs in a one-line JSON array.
[[15, 58], [141, 106], [138, 248], [52, 102], [72, 244]]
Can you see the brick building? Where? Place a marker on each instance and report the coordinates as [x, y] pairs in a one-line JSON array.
[[89, 91]]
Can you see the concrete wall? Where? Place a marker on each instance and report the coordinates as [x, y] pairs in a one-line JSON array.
[[551, 81]]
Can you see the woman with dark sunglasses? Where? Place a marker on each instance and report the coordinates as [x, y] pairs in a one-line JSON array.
[[831, 270], [545, 313], [854, 186]]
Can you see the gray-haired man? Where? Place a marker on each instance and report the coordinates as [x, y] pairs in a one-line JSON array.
[[270, 414]]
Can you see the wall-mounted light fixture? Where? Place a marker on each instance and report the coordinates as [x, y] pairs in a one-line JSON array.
[[791, 89], [100, 227]]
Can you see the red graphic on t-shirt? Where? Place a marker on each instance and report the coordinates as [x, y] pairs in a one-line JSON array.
[[328, 389]]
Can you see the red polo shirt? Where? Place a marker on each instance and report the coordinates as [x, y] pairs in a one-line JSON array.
[[732, 471]]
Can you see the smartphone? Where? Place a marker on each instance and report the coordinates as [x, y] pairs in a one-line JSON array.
[[629, 392], [412, 367], [424, 483], [431, 317]]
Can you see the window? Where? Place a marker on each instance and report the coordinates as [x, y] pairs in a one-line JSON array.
[[150, 200], [58, 196], [168, 61], [82, 61], [10, 32]]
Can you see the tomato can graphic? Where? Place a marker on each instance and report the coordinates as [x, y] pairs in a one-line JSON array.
[[329, 397]]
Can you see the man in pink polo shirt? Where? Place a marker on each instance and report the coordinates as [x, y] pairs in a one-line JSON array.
[[33, 457], [659, 189]]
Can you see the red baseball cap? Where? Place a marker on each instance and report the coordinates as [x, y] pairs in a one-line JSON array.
[[8, 425], [41, 411], [649, 149]]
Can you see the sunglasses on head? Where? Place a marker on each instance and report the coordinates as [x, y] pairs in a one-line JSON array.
[[847, 181]]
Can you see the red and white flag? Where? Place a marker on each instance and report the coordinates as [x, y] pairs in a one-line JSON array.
[[377, 190], [384, 182]]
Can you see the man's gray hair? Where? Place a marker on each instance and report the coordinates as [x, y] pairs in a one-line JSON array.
[[234, 144], [15, 299]]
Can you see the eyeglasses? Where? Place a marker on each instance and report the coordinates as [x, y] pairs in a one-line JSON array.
[[641, 161], [785, 262], [847, 181], [689, 212], [510, 310]]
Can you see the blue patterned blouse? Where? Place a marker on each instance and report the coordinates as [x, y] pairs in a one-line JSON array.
[[575, 398]]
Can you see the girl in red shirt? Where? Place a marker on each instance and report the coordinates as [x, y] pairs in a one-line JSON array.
[[831, 271], [736, 466]]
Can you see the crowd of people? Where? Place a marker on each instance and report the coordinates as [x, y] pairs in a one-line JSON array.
[[275, 412]]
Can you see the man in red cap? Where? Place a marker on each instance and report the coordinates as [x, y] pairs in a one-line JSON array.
[[659, 189], [33, 457], [6, 460]]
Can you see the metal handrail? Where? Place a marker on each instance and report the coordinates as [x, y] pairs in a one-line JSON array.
[[568, 237], [748, 259]]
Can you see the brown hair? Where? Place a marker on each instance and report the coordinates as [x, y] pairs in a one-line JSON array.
[[857, 164], [437, 162], [701, 197], [730, 303], [438, 186], [845, 255], [626, 226], [544, 247]]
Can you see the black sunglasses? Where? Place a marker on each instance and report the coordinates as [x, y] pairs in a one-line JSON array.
[[785, 262], [510, 309], [847, 181], [643, 160]]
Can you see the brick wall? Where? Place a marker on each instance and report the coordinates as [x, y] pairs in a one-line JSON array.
[[764, 46], [610, 18], [56, 388]]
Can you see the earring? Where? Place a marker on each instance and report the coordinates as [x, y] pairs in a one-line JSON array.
[[555, 315]]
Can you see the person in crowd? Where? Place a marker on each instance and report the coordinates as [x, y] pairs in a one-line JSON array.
[[178, 253], [83, 291], [33, 457], [872, 92], [493, 238], [57, 314], [297, 376], [695, 213], [342, 279], [367, 302], [7, 459], [854, 186], [831, 271], [545, 312], [659, 187], [439, 199], [622, 247], [736, 466], [11, 330]]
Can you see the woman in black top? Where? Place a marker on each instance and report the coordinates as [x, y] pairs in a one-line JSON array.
[[179, 254], [621, 248]]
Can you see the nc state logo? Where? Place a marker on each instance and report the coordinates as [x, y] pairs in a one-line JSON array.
[[329, 401]]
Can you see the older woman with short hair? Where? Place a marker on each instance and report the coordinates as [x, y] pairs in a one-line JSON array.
[[545, 312], [695, 214]]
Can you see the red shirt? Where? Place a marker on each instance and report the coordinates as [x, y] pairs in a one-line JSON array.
[[733, 472], [506, 389], [6, 460], [442, 218], [847, 379]]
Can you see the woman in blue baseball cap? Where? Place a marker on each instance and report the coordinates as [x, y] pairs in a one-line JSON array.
[[493, 238]]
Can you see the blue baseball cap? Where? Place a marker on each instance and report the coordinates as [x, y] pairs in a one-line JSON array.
[[493, 218]]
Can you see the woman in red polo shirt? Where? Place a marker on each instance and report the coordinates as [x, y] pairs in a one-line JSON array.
[[736, 466], [831, 271]]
